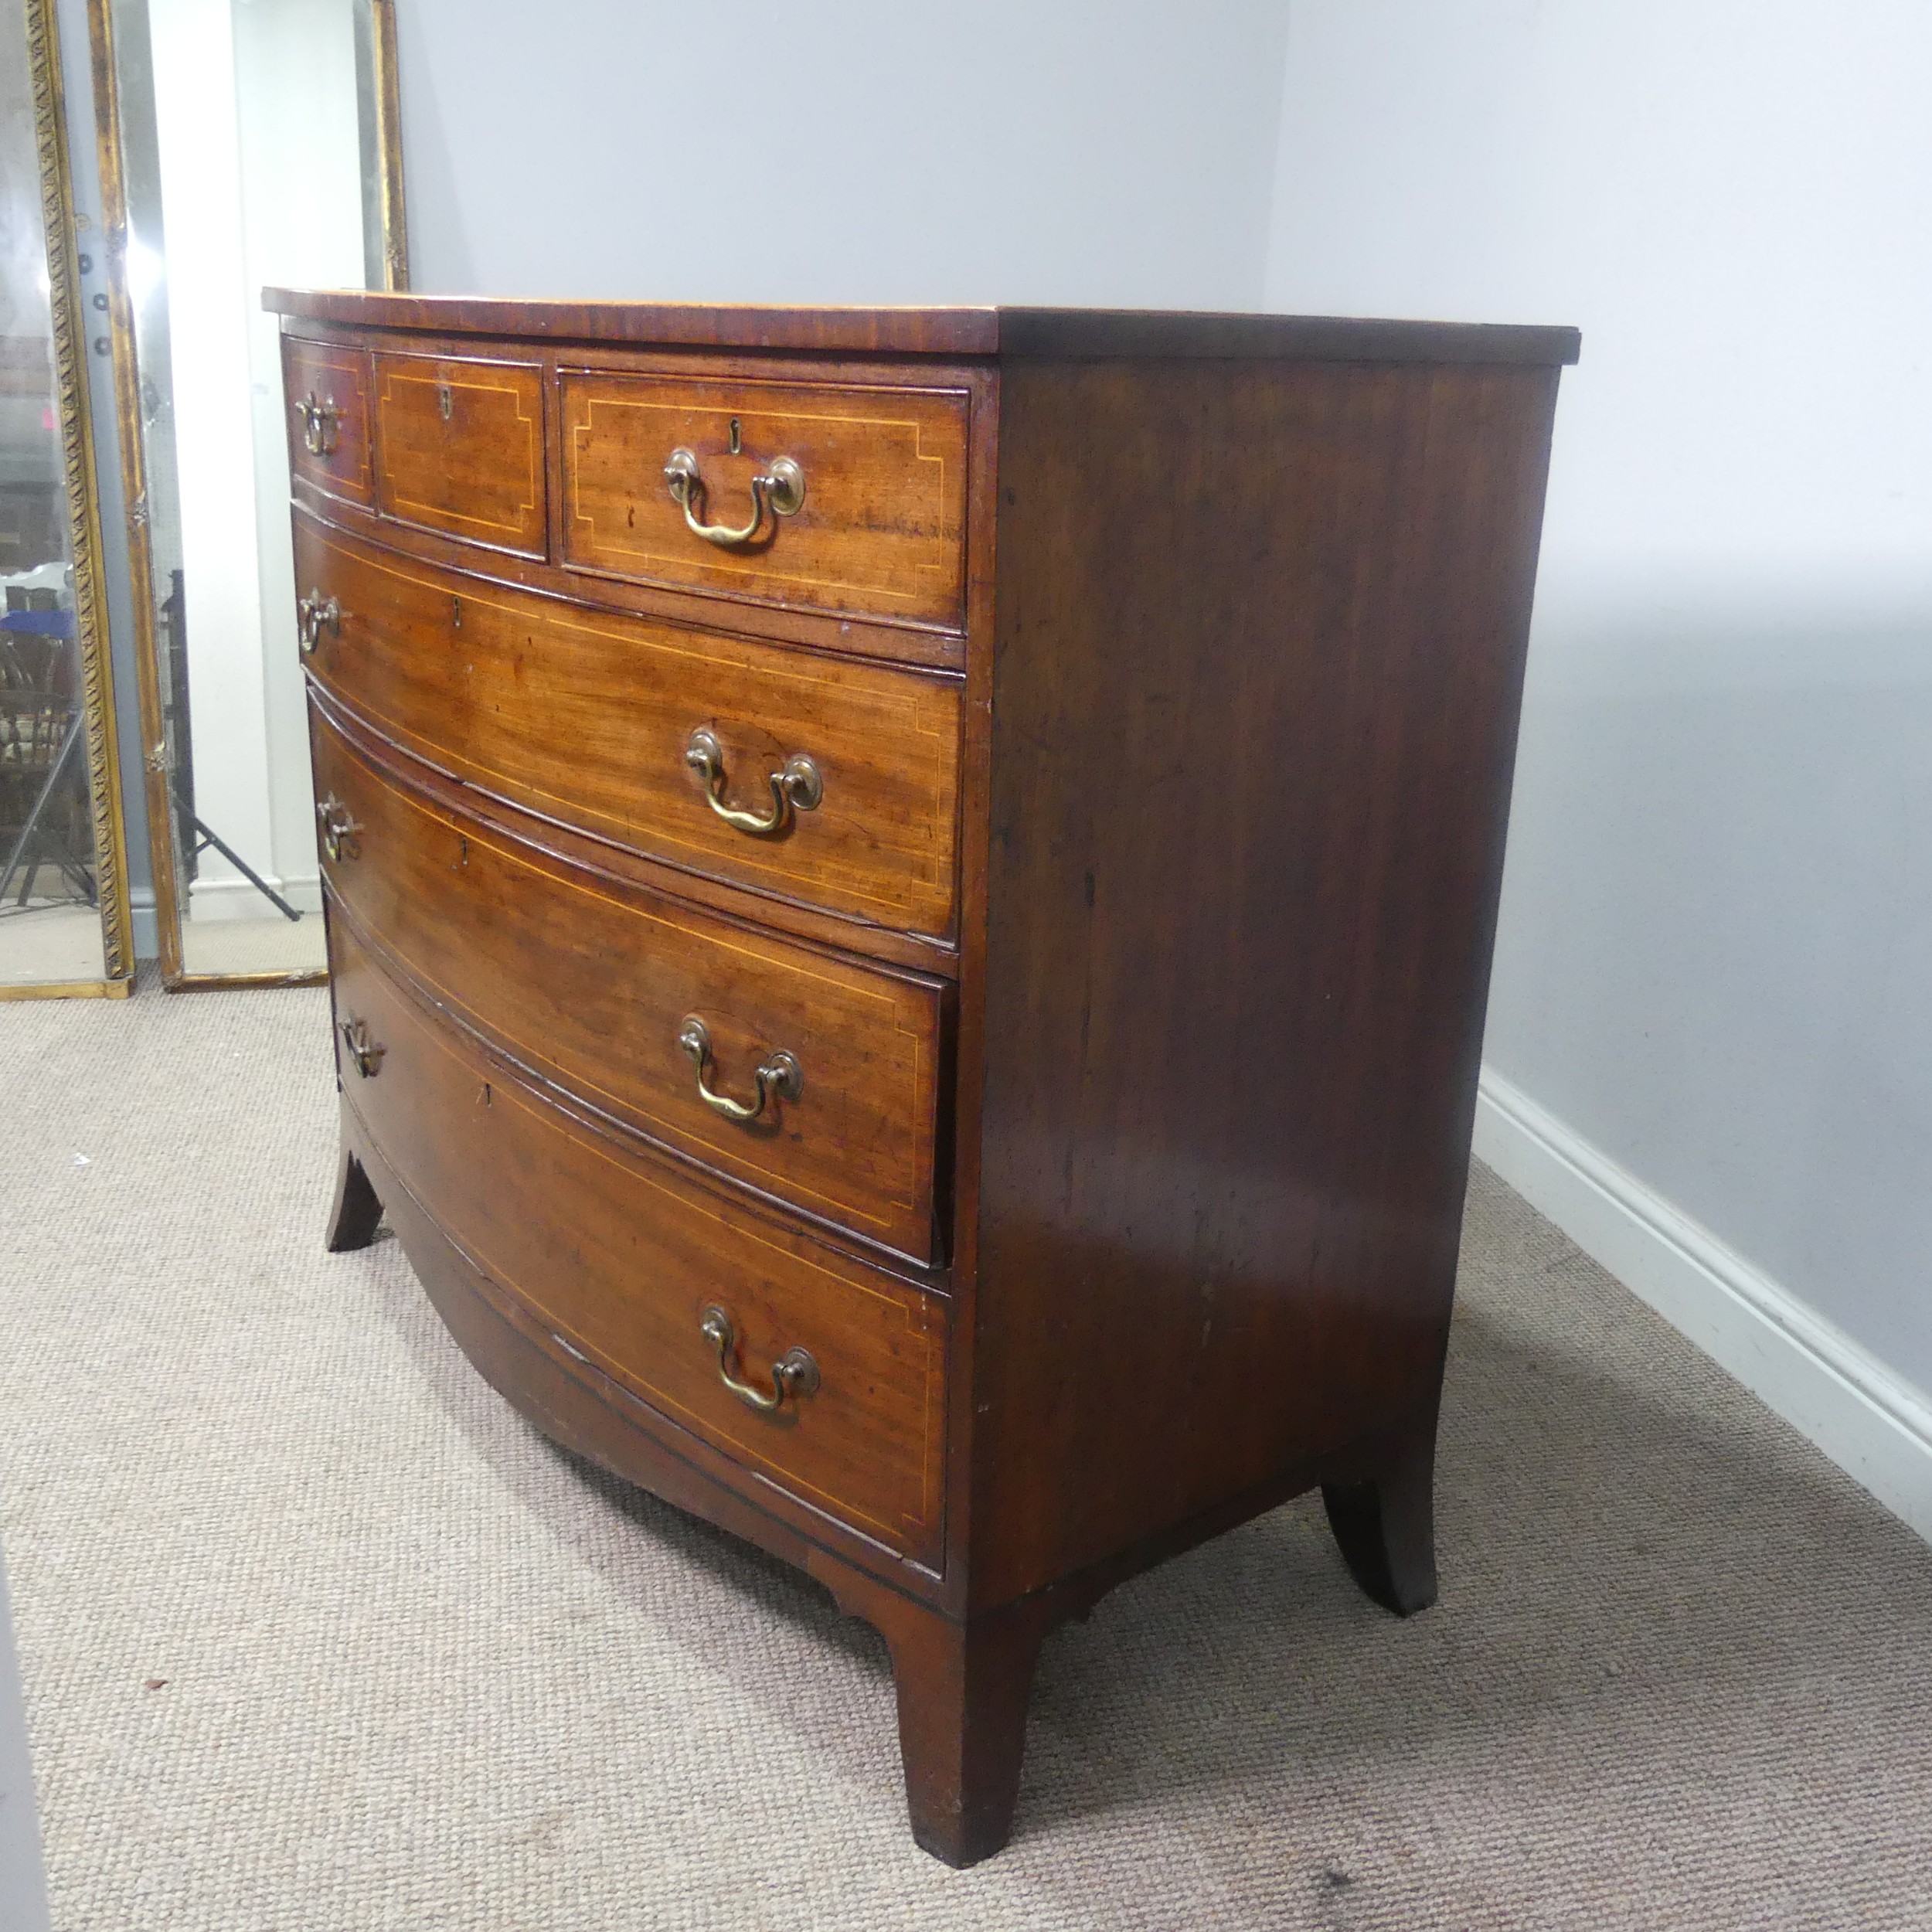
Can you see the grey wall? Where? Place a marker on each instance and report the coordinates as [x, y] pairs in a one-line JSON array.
[[1717, 941], [1718, 914], [850, 151]]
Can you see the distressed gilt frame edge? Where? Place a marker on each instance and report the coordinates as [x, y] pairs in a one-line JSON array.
[[388, 139], [84, 520]]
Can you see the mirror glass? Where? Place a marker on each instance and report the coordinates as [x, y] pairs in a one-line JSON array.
[[51, 931], [251, 155]]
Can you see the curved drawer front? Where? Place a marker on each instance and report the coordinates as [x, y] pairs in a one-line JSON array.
[[591, 984], [460, 448], [878, 527], [326, 387], [590, 717], [622, 1259]]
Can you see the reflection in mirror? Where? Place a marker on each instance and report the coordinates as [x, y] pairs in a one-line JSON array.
[[255, 147], [63, 917]]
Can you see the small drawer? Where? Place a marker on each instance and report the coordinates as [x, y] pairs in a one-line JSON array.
[[590, 718], [460, 448], [624, 1261], [327, 389], [595, 985], [850, 500]]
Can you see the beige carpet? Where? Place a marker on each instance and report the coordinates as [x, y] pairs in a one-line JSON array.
[[421, 1670]]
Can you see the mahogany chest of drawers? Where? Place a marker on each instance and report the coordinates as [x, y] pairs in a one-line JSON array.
[[910, 897]]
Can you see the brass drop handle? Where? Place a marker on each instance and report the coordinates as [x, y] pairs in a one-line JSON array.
[[780, 489], [320, 418], [777, 1073], [796, 786], [314, 615], [339, 830], [794, 1374], [362, 1050]]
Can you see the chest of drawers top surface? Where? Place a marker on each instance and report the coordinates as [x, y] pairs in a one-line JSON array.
[[951, 331], [910, 898]]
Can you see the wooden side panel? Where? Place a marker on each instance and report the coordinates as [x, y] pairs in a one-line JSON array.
[[462, 448], [335, 378], [586, 716], [1261, 631], [881, 532], [619, 1259], [588, 982]]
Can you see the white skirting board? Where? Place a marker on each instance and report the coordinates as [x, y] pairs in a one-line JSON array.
[[1875, 1427]]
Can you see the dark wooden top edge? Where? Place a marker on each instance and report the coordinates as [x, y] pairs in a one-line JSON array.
[[1058, 334], [1078, 333], [908, 332]]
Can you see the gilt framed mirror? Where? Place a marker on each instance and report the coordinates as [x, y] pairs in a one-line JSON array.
[[65, 926], [242, 143]]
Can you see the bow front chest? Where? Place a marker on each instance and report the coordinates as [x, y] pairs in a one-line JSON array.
[[910, 899]]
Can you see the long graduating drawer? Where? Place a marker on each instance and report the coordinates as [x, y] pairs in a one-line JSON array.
[[590, 984], [621, 1259], [587, 717], [327, 388], [880, 531], [460, 448]]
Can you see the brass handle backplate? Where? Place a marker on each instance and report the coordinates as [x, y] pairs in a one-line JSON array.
[[780, 489], [362, 1050], [777, 1073], [339, 830], [314, 615], [320, 419], [796, 786], [794, 1374]]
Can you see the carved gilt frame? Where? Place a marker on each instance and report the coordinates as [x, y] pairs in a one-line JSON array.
[[84, 526], [133, 455]]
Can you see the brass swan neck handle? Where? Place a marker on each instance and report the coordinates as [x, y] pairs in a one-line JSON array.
[[778, 1073], [794, 1374], [362, 1049], [320, 418], [796, 786], [780, 489], [314, 615], [339, 829]]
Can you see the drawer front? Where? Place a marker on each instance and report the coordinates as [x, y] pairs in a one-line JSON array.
[[328, 389], [879, 531], [622, 1258], [591, 984], [589, 718], [460, 444]]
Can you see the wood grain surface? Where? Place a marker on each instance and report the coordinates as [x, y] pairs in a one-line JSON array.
[[337, 373], [460, 448], [1010, 332], [882, 530], [586, 716], [1245, 841], [587, 981], [619, 1256]]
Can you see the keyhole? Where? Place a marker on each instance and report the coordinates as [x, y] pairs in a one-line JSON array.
[[463, 857], [445, 401], [737, 440], [456, 613]]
